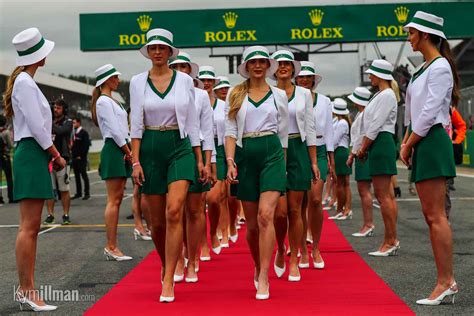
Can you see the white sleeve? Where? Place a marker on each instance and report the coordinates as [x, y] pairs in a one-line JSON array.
[[27, 95], [440, 82], [342, 128], [381, 114], [137, 125], [207, 124], [230, 124], [105, 110], [407, 119], [283, 120], [192, 123], [329, 132], [310, 124]]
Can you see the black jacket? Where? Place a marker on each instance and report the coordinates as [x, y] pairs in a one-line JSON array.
[[81, 144], [62, 135]]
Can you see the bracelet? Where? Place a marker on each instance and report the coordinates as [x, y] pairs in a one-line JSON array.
[[136, 164]]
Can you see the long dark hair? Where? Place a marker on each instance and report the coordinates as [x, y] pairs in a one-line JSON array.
[[445, 51]]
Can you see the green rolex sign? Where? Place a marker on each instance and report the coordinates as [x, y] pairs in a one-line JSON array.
[[267, 26]]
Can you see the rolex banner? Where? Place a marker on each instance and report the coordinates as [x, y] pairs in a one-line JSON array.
[[266, 26]]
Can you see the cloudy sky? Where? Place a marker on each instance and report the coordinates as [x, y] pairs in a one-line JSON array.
[[59, 21]]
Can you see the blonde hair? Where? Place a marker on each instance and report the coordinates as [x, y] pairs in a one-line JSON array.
[[95, 96], [7, 98], [236, 98], [396, 89]]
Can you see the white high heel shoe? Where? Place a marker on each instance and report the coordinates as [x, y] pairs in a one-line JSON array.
[[138, 236], [367, 233], [217, 250], [451, 291], [26, 304], [109, 256], [344, 217], [261, 297], [234, 238], [292, 278], [279, 271], [335, 216], [178, 278], [167, 299], [389, 252]]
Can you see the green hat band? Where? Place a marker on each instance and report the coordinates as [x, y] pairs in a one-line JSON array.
[[33, 49], [160, 38], [339, 109], [256, 53], [360, 97], [206, 72], [105, 74], [307, 68], [383, 71], [283, 56], [427, 24]]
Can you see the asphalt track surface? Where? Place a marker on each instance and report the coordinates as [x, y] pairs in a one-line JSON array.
[[71, 258]]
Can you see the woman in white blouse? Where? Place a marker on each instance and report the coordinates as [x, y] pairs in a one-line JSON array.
[[301, 163], [360, 97], [256, 133], [322, 115], [195, 212], [427, 147], [379, 119], [115, 156], [342, 127], [34, 155], [165, 133]]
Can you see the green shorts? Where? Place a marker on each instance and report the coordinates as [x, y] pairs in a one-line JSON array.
[[221, 163], [383, 155], [340, 159], [362, 170], [322, 161], [298, 166], [112, 164], [165, 158], [433, 156], [261, 167], [30, 171], [198, 187]]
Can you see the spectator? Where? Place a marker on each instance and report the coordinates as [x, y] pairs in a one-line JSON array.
[[80, 149], [62, 138], [6, 146]]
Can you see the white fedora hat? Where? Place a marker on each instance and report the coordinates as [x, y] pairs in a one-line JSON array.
[[31, 47], [183, 58], [360, 96], [223, 83], [308, 69], [381, 68], [427, 23], [208, 72], [284, 55], [159, 37], [339, 106], [257, 52], [105, 72]]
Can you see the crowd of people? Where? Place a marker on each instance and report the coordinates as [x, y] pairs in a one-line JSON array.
[[195, 146]]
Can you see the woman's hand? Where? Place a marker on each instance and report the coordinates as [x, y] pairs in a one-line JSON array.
[[362, 154], [316, 172], [137, 174], [59, 163], [202, 172], [213, 174], [231, 171], [406, 152]]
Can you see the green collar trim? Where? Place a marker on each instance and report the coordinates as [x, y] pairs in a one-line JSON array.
[[170, 86], [292, 95], [115, 101], [422, 70], [262, 100], [315, 100], [214, 104]]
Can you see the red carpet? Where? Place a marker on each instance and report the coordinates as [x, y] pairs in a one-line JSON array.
[[347, 286]]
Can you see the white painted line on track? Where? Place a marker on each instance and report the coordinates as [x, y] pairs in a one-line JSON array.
[[49, 229], [452, 198], [9, 226], [375, 204]]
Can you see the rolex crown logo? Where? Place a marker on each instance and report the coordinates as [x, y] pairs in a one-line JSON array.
[[230, 18], [402, 14], [144, 22], [316, 16]]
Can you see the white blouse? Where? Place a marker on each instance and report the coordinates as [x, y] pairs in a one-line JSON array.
[[322, 111], [112, 119], [428, 97], [356, 133], [261, 116], [341, 133], [293, 124], [160, 108], [31, 112], [219, 121], [204, 113], [380, 115]]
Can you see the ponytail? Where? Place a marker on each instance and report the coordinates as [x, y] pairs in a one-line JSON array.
[[445, 51], [7, 98], [396, 90], [237, 97], [95, 96]]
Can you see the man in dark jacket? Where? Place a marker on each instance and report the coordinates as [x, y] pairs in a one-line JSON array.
[[80, 149], [62, 139]]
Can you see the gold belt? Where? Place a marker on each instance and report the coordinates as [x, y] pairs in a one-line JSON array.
[[162, 128], [295, 135], [257, 134]]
